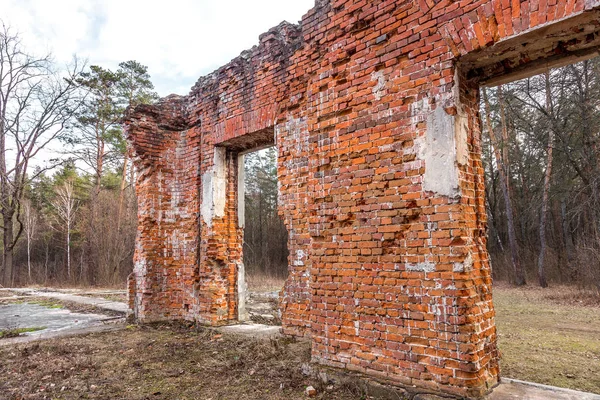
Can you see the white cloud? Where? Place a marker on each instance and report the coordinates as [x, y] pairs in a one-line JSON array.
[[179, 40]]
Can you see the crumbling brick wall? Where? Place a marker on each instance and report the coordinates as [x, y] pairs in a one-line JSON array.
[[373, 107]]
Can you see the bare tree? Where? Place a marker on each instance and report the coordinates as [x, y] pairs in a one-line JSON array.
[[265, 235], [30, 221], [547, 176], [35, 109], [65, 206], [505, 184]]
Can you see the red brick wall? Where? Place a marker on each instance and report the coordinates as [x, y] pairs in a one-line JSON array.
[[373, 106]]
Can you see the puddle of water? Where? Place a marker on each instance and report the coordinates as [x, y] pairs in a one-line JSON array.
[[25, 315]]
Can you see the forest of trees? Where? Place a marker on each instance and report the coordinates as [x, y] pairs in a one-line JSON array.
[[542, 159], [265, 236], [72, 218]]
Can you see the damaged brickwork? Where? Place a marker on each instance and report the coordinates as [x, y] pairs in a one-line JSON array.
[[373, 107]]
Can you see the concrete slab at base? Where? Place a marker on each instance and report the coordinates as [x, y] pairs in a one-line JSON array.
[[508, 389], [512, 389], [253, 330]]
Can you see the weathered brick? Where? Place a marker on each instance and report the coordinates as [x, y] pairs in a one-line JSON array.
[[373, 107]]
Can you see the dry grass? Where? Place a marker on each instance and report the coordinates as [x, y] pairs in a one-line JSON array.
[[264, 283], [118, 297], [159, 362], [549, 336], [65, 284], [15, 332]]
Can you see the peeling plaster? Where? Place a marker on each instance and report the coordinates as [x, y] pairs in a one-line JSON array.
[[465, 266], [379, 88], [421, 267], [300, 254], [242, 288], [590, 4], [438, 150], [206, 209], [214, 185], [241, 191], [461, 124]]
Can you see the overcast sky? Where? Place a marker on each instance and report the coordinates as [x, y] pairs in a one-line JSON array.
[[179, 40]]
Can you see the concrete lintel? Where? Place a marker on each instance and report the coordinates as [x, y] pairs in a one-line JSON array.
[[541, 66]]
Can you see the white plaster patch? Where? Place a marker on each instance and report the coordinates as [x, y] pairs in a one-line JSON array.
[[242, 288], [241, 191], [438, 150], [461, 124], [214, 185], [590, 4], [206, 209], [465, 266], [461, 127], [419, 110], [220, 181], [421, 267], [140, 267], [299, 261], [295, 130], [379, 88]]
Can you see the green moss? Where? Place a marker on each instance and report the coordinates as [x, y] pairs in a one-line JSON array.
[[8, 333], [46, 303]]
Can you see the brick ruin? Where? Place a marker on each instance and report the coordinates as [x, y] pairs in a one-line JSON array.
[[373, 106]]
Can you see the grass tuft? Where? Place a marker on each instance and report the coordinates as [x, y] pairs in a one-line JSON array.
[[15, 332]]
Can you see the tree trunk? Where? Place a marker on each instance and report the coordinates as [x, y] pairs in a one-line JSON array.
[[69, 249], [81, 265], [7, 255], [122, 192], [29, 256], [260, 232], [568, 240], [505, 186], [541, 272], [3, 192], [46, 258], [99, 164], [492, 225]]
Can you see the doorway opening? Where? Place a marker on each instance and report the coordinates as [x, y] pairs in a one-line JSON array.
[[265, 236], [540, 151]]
